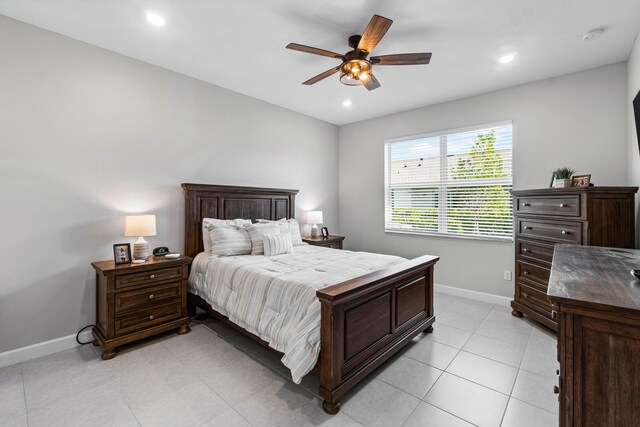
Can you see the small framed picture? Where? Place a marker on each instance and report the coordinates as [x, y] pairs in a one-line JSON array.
[[580, 180], [324, 231], [553, 178], [122, 253]]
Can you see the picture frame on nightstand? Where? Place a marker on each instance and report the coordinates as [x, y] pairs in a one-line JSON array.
[[122, 253]]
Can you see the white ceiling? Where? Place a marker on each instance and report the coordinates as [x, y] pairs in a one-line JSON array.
[[240, 44]]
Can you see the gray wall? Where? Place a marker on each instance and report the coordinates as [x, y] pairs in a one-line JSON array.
[[578, 120], [88, 135], [633, 72]]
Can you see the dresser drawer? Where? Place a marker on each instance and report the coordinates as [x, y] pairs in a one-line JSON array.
[[150, 277], [147, 297], [549, 205], [558, 232], [533, 298], [537, 275], [534, 251], [146, 318]]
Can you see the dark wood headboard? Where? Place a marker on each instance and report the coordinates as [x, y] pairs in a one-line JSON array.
[[230, 202]]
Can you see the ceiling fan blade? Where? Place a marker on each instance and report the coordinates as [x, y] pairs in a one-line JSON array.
[[375, 30], [314, 50], [402, 59], [322, 76], [372, 84]]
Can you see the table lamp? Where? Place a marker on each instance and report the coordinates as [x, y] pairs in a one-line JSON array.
[[315, 218], [140, 226]]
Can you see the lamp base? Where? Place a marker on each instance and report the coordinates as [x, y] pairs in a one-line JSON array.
[[315, 231], [140, 249]]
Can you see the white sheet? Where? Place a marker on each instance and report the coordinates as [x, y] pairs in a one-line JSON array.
[[275, 297]]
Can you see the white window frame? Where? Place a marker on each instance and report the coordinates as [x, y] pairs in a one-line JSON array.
[[442, 193]]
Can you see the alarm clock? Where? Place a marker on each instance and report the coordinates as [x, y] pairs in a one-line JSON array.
[[161, 251]]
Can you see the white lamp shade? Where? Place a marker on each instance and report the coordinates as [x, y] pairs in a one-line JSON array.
[[140, 225], [314, 217]]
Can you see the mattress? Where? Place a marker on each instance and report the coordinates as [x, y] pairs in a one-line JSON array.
[[275, 297]]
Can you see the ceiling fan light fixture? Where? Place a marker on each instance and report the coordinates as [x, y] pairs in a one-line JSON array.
[[355, 72]]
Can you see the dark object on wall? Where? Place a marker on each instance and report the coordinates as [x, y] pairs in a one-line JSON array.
[[122, 253], [160, 251], [636, 109], [324, 232], [575, 215], [597, 305]]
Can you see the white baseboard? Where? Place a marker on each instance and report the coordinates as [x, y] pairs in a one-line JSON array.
[[34, 351], [478, 296]]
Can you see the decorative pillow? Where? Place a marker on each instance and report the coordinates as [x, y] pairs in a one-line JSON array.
[[208, 222], [256, 232], [287, 226], [277, 244], [227, 240]]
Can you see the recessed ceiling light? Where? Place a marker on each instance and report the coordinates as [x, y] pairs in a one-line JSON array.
[[507, 58], [346, 103], [155, 19], [592, 35]]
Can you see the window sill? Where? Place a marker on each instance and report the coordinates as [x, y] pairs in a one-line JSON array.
[[451, 236]]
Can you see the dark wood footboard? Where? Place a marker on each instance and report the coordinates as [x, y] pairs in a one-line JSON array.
[[368, 319]]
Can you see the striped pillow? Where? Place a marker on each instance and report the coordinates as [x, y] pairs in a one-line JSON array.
[[288, 226], [229, 241], [208, 222], [277, 244], [256, 231]]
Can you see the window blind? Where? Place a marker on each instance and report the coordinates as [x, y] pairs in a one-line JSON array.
[[454, 183]]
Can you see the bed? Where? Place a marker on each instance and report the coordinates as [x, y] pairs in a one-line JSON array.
[[363, 321]]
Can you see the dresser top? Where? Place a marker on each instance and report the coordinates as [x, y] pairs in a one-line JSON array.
[[560, 191], [595, 276], [152, 262]]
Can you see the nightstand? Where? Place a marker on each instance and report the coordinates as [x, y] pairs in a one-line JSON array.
[[135, 301], [334, 242]]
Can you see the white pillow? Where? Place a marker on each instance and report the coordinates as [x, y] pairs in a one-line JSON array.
[[288, 226], [208, 222], [256, 232], [229, 241], [277, 244]]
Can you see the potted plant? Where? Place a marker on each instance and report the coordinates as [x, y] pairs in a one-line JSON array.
[[562, 177]]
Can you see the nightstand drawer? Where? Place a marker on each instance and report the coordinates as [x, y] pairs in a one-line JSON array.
[[549, 205], [557, 232], [332, 245], [148, 297], [146, 318], [151, 277]]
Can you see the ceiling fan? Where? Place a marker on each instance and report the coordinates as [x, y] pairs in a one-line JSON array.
[[356, 69]]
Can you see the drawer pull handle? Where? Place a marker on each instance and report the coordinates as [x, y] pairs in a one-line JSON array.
[[525, 296], [152, 296], [526, 250], [526, 273], [151, 317], [554, 314], [526, 204], [556, 389], [152, 276], [563, 205], [526, 227], [565, 232]]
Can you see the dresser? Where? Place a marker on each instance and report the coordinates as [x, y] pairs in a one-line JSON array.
[[135, 301], [598, 304], [596, 216], [330, 241]]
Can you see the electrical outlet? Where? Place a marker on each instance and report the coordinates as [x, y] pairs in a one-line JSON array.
[[507, 275]]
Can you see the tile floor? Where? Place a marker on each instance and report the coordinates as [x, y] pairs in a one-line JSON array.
[[480, 366]]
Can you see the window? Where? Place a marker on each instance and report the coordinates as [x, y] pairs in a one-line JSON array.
[[454, 183]]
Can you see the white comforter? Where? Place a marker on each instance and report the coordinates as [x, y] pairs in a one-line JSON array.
[[275, 297]]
